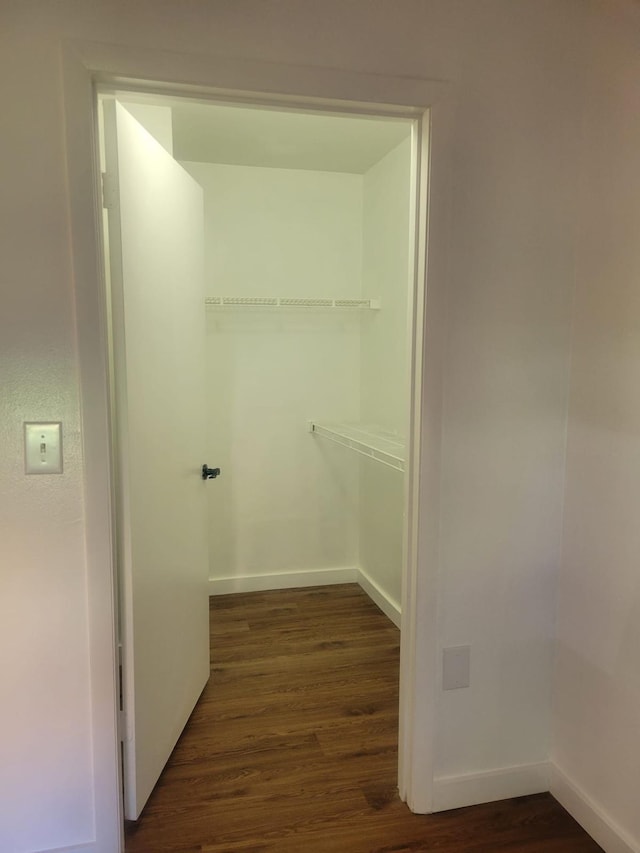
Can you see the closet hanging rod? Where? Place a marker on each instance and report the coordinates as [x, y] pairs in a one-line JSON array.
[[370, 441], [289, 302]]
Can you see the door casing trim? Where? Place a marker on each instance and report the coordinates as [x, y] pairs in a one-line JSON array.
[[90, 66]]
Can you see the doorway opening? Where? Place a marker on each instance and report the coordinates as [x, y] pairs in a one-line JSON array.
[[311, 316]]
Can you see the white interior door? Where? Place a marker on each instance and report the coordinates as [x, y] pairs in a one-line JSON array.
[[156, 250]]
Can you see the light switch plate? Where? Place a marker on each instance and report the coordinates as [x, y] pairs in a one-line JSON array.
[[43, 448]]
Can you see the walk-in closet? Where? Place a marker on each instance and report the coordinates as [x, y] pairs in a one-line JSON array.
[[306, 266], [308, 252]]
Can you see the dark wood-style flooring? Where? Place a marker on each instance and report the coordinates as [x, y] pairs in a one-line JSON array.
[[292, 747]]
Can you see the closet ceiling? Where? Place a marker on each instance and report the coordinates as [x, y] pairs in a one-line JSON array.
[[263, 137]]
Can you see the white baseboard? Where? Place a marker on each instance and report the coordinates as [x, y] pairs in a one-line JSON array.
[[388, 606], [600, 827], [282, 580], [314, 577], [76, 848], [469, 789]]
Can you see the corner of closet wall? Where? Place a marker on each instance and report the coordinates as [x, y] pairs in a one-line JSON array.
[[384, 370], [156, 120]]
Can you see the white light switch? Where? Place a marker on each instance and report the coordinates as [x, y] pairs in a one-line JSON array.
[[43, 448], [456, 666]]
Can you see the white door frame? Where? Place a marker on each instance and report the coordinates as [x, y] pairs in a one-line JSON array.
[[87, 65]]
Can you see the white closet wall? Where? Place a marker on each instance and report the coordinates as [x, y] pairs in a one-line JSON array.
[[286, 502], [384, 364], [291, 508], [385, 276]]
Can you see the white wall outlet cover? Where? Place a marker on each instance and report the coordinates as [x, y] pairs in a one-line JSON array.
[[456, 667], [43, 448]]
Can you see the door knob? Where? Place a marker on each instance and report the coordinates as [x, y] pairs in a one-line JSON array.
[[209, 473]]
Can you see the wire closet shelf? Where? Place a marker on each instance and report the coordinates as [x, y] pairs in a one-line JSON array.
[[289, 302], [368, 440]]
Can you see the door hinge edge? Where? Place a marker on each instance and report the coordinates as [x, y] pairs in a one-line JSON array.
[[122, 720], [109, 194]]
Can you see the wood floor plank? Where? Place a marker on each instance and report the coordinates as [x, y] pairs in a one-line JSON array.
[[293, 746]]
